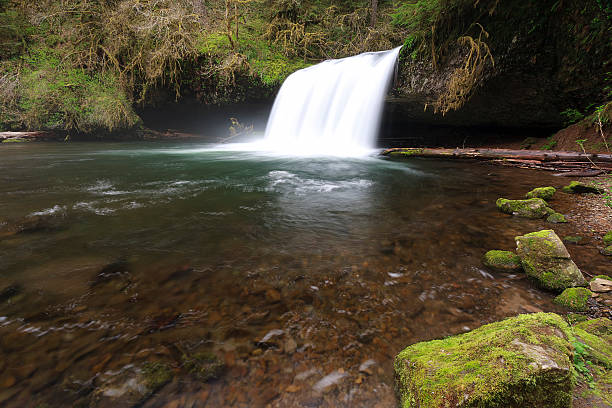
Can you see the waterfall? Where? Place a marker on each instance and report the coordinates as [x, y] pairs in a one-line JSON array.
[[333, 107]]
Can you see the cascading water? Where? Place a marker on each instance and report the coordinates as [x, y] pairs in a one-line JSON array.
[[332, 108]]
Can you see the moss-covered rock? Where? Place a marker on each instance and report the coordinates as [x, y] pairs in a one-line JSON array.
[[576, 187], [503, 261], [607, 239], [574, 299], [205, 366], [573, 239], [607, 251], [556, 218], [601, 327], [156, 375], [532, 208], [545, 259], [525, 361], [606, 277], [545, 193]]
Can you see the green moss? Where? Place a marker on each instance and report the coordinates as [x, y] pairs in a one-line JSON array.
[[556, 218], [574, 299], [575, 318], [16, 140], [607, 239], [205, 366], [406, 152], [505, 261], [531, 208], [576, 187], [156, 375], [488, 367], [600, 327], [599, 350], [573, 239], [545, 193], [607, 251], [600, 277]]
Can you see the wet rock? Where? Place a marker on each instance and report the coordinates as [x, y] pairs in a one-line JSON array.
[[527, 358], [273, 295], [329, 381], [556, 218], [130, 386], [601, 285], [290, 346], [118, 270], [367, 367], [531, 208], [545, 259], [574, 299], [545, 193], [576, 187], [503, 261], [10, 291], [33, 223], [205, 366]]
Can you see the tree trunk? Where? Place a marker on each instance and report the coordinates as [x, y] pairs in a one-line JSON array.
[[374, 13]]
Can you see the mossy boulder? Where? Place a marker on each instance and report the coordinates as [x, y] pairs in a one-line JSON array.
[[576, 187], [556, 218], [545, 193], [545, 259], [503, 261], [607, 251], [607, 239], [601, 327], [524, 361], [575, 299], [532, 208]]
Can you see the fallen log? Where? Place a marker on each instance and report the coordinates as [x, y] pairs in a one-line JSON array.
[[35, 135], [490, 154], [570, 164]]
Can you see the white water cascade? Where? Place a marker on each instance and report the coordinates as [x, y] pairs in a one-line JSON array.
[[332, 108]]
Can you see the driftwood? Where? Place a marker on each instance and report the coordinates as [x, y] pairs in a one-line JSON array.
[[565, 163]]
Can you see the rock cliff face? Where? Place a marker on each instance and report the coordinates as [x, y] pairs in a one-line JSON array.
[[549, 56]]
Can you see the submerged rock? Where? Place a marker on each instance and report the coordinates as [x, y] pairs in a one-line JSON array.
[[503, 261], [545, 193], [532, 208], [525, 361], [556, 218], [545, 258], [573, 239], [576, 187], [130, 386], [575, 299], [205, 366]]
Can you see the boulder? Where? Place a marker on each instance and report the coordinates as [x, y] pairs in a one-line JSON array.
[[575, 299], [545, 193], [601, 285], [524, 361], [556, 218], [576, 187], [531, 208], [545, 259], [503, 261]]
